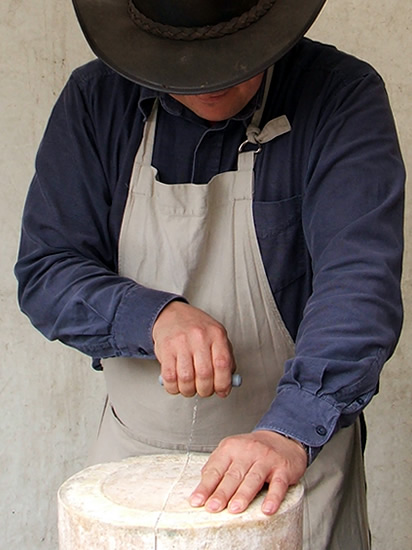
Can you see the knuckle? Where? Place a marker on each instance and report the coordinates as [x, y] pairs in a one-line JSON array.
[[198, 333], [280, 481], [257, 478], [235, 474], [211, 472], [169, 382], [185, 377], [223, 362], [225, 444], [219, 333], [204, 373], [169, 376], [179, 340]]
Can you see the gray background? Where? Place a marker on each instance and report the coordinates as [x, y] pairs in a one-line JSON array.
[[50, 398]]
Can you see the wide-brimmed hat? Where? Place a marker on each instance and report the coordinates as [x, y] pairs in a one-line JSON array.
[[193, 46]]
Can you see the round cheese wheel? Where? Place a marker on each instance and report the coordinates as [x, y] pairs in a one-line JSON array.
[[142, 504]]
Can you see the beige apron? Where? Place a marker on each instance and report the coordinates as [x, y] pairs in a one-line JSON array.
[[200, 241]]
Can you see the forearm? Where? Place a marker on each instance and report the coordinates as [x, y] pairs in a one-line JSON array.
[[67, 266], [350, 327], [85, 305], [352, 219]]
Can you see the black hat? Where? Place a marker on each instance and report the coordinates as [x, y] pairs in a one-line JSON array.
[[193, 46]]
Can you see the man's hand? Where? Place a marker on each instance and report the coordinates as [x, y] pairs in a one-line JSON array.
[[239, 467], [193, 350]]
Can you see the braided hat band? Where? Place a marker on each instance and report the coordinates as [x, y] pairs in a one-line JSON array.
[[206, 32]]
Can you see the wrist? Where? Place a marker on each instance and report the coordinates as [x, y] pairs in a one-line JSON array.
[[311, 452], [303, 446]]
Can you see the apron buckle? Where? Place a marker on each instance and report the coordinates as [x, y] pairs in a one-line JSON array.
[[243, 145]]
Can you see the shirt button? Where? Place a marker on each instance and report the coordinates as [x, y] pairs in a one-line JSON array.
[[321, 430], [142, 351]]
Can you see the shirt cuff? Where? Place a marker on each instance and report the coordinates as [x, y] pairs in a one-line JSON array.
[[303, 416], [134, 320]]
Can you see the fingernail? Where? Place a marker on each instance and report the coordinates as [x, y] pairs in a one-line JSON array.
[[196, 500], [268, 508], [235, 507], [213, 505]]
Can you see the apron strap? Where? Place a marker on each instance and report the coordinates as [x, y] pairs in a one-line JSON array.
[[144, 153], [259, 112], [274, 128]]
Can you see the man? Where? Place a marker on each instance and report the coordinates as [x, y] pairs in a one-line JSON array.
[[218, 195]]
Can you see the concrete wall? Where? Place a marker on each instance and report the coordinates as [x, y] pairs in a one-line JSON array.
[[50, 398]]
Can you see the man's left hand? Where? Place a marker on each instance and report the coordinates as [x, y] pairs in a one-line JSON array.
[[239, 467]]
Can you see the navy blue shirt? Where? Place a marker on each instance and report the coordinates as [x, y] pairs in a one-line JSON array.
[[328, 211]]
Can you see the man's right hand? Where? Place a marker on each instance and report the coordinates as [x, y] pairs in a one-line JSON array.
[[194, 351]]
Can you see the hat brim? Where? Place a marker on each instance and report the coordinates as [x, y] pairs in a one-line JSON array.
[[198, 66]]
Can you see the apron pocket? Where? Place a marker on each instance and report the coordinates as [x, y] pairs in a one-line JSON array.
[[140, 444]]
